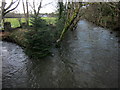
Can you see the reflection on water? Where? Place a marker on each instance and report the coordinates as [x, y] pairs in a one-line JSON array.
[[88, 58]]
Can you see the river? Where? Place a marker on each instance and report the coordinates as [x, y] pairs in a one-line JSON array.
[[88, 58]]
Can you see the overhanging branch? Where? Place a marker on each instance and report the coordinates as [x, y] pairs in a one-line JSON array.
[[11, 9], [11, 4]]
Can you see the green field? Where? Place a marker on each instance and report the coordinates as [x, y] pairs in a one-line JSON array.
[[50, 20], [15, 22]]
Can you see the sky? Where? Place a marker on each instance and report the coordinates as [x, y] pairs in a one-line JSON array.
[[46, 9], [50, 7]]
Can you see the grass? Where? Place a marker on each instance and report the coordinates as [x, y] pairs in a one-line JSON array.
[[50, 20], [15, 22]]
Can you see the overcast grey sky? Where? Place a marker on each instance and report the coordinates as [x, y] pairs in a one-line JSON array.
[[47, 9], [52, 7]]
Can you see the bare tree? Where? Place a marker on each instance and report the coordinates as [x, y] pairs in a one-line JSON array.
[[26, 11], [8, 9], [37, 9], [33, 6]]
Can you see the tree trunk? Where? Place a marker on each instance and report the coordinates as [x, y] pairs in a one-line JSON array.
[[2, 11], [7, 9], [72, 20], [119, 15], [27, 14], [0, 17]]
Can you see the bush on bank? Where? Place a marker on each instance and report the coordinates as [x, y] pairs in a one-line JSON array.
[[36, 40]]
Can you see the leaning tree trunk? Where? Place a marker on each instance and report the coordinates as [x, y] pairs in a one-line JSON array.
[[73, 17]]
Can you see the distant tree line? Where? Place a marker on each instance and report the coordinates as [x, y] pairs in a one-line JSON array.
[[17, 15], [14, 15]]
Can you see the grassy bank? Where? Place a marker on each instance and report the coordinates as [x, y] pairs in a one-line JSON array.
[[37, 44], [15, 22], [16, 36]]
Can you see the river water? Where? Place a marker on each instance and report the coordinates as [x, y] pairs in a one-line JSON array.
[[88, 58]]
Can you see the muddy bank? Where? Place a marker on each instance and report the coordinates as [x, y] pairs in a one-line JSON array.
[[88, 58]]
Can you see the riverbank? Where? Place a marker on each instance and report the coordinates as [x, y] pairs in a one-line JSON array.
[[16, 36], [37, 44], [15, 21], [105, 15]]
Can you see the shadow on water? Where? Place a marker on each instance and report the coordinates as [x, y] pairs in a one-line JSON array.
[[87, 58]]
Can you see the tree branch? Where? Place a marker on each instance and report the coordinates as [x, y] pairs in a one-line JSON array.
[[23, 7], [30, 5], [11, 9], [11, 4], [46, 4], [39, 7]]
